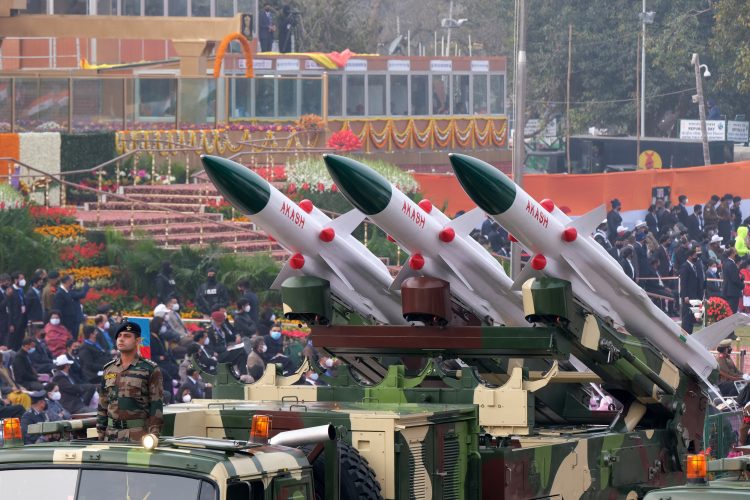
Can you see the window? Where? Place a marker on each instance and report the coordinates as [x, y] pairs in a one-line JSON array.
[[440, 94], [288, 97], [497, 94], [52, 484], [311, 97], [245, 6], [224, 8], [156, 99], [197, 100], [106, 8], [200, 8], [480, 95], [460, 94], [420, 96], [241, 91], [70, 7], [376, 95], [98, 484], [355, 95], [335, 94], [177, 8], [35, 7], [154, 7], [399, 95], [264, 97], [131, 7], [291, 489]]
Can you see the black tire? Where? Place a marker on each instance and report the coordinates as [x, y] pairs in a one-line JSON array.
[[357, 478]]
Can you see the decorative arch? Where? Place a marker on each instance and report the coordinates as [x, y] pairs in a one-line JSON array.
[[245, 50]]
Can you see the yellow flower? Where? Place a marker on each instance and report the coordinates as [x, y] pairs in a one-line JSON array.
[[90, 272], [61, 232]]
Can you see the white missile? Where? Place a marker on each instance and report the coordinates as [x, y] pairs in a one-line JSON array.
[[567, 251], [320, 246], [441, 250]]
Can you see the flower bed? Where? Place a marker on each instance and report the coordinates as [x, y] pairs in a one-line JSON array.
[[61, 232], [717, 309], [86, 254], [52, 216], [99, 276]]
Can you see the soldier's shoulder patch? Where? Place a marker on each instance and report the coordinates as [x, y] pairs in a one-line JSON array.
[[152, 364], [109, 363], [108, 376]]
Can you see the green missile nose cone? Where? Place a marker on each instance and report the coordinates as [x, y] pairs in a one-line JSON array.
[[362, 186], [490, 189], [242, 187]]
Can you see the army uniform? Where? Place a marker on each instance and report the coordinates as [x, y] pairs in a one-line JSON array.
[[130, 400]]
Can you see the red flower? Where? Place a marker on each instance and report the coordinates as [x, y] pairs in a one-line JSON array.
[[344, 140], [306, 186], [292, 188], [334, 188], [321, 187]]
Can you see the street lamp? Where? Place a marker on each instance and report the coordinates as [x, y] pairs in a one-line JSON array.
[[698, 98], [646, 18]]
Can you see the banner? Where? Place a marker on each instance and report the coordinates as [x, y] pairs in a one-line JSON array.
[[691, 129]]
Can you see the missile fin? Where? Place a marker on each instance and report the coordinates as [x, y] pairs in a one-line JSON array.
[[587, 223], [448, 259], [405, 273], [336, 271], [526, 273], [575, 269], [710, 336], [286, 272], [467, 222], [348, 222]]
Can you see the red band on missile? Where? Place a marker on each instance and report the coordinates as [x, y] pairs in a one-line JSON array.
[[271, 238], [447, 235], [548, 205], [539, 262], [425, 205], [416, 261], [570, 234], [297, 261], [390, 238], [327, 234], [306, 205], [512, 238]]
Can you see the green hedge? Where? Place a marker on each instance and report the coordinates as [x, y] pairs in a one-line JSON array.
[[81, 151]]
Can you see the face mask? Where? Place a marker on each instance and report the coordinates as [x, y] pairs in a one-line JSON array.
[[314, 376], [32, 350], [186, 398], [329, 362], [713, 269], [75, 351], [106, 325], [246, 309], [211, 279], [22, 283], [175, 307], [263, 348], [55, 396], [206, 341], [273, 317], [276, 335], [163, 329], [54, 321]]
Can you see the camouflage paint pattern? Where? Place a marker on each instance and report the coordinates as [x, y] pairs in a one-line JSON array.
[[130, 393]]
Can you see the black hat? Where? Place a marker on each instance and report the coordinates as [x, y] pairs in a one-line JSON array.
[[211, 269], [104, 308], [37, 396], [129, 327], [616, 203]]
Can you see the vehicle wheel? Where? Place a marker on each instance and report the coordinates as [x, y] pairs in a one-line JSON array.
[[357, 478]]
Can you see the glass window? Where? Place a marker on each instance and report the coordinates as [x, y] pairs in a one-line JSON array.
[[5, 86], [480, 95], [23, 484], [41, 103], [154, 7], [156, 100], [460, 94], [242, 96], [106, 7], [399, 95], [355, 95], [70, 7], [335, 93], [264, 97], [131, 7], [97, 104], [200, 8], [98, 484], [440, 93], [224, 8], [198, 101], [376, 95], [35, 7], [420, 97], [245, 6], [497, 94], [177, 8], [288, 97], [312, 97]]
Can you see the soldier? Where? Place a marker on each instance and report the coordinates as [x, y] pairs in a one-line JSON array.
[[131, 392], [728, 372]]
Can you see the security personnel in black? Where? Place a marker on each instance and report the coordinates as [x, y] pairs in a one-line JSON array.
[[211, 295], [690, 287]]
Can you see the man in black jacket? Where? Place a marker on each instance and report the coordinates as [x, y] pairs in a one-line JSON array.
[[252, 299], [614, 220], [75, 397], [695, 224], [68, 302], [166, 288], [690, 288], [731, 288], [193, 386], [33, 299], [23, 371], [211, 295], [17, 313], [93, 357], [681, 209]]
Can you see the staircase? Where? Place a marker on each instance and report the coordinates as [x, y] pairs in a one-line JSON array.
[[173, 230]]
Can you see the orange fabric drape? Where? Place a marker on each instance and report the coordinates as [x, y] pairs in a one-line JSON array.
[[246, 51], [9, 148], [584, 192]]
